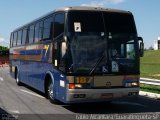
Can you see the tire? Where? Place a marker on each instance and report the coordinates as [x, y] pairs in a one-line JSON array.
[[51, 92], [17, 78]]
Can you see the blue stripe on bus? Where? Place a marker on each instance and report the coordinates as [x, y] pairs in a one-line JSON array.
[[31, 52]]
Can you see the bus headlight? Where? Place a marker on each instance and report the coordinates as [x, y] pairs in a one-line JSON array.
[[74, 86], [79, 86], [135, 84], [132, 84]]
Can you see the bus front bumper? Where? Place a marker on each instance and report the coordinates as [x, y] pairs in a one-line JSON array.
[[97, 95]]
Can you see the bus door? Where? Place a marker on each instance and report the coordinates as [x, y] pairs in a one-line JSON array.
[[59, 47]]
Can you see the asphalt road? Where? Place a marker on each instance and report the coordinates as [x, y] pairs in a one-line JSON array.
[[21, 102]]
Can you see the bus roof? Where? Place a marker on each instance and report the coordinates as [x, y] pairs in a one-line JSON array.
[[87, 8], [74, 8]]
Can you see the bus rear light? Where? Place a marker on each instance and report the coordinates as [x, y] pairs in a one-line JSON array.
[[71, 86]]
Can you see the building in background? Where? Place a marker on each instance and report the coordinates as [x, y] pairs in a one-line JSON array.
[[157, 44]]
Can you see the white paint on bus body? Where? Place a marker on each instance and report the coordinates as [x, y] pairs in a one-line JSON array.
[[62, 83]]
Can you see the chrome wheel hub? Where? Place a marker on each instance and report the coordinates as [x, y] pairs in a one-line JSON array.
[[51, 90]]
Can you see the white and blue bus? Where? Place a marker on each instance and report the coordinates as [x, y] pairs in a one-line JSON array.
[[78, 54]]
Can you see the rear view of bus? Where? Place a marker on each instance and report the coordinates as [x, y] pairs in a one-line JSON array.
[[92, 54]]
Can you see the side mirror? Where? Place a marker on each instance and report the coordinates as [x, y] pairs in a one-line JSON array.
[[141, 46]]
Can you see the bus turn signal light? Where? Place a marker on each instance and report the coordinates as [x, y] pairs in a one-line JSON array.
[[71, 86]]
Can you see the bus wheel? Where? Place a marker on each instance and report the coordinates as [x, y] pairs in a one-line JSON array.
[[17, 79], [51, 92]]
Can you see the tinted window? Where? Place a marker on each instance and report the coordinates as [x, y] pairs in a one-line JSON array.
[[24, 36], [47, 27], [36, 36], [31, 34], [19, 41], [15, 39], [40, 30], [119, 23], [58, 24], [86, 21], [11, 40]]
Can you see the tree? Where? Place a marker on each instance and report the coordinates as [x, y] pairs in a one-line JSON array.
[[3, 48], [150, 48], [4, 51]]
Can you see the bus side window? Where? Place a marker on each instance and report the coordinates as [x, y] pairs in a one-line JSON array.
[[36, 36], [31, 34], [40, 34], [38, 30], [48, 23], [19, 40], [15, 39], [58, 24], [24, 36], [11, 40]]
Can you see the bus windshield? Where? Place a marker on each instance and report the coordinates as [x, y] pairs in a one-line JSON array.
[[97, 39]]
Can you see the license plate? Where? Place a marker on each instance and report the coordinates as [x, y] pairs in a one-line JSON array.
[[107, 95]]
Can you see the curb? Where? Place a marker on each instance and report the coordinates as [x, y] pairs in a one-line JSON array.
[[150, 95]]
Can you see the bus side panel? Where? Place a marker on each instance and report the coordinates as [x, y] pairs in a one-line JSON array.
[[40, 65], [61, 86], [23, 72], [38, 73], [34, 66], [63, 90], [31, 75]]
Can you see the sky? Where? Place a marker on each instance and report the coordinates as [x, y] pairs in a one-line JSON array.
[[15, 13]]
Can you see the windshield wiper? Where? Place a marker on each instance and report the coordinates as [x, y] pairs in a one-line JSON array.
[[96, 64]]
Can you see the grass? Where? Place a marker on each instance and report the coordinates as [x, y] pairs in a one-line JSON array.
[[150, 68], [150, 88], [150, 64]]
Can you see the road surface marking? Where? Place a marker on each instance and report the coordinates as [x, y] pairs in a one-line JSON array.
[[150, 95], [14, 111], [129, 103], [31, 93]]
